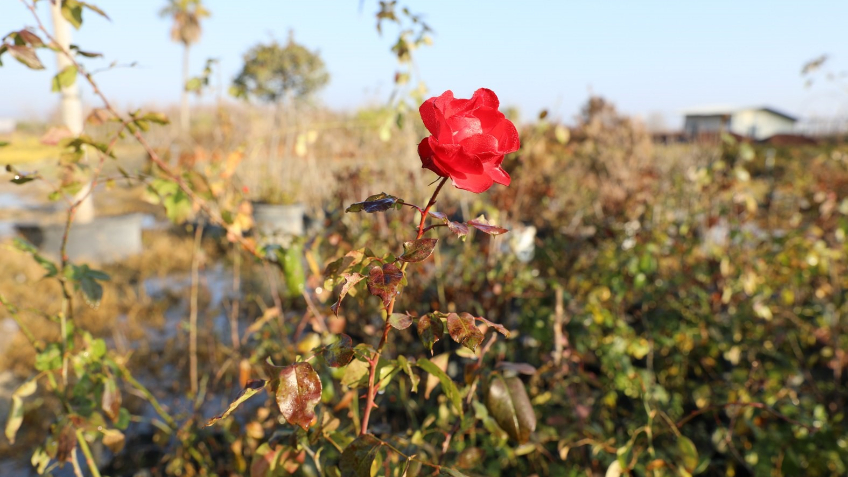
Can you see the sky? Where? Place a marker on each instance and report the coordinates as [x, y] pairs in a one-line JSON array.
[[651, 58]]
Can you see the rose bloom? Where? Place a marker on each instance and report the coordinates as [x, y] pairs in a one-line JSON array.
[[469, 139]]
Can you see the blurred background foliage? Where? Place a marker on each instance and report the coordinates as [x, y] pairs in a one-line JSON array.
[[674, 309]]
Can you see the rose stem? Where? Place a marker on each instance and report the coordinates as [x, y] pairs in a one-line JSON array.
[[373, 361]]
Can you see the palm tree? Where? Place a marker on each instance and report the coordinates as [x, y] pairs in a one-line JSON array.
[[186, 15]]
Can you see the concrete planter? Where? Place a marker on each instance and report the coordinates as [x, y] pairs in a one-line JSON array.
[[276, 223], [105, 239]]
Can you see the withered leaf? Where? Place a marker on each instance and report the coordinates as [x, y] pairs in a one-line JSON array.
[[351, 279], [250, 389], [375, 203], [339, 353], [481, 224], [462, 329], [298, 392], [430, 329], [358, 456], [418, 250], [384, 281], [500, 328]]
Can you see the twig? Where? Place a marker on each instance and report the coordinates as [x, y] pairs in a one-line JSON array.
[[192, 326]]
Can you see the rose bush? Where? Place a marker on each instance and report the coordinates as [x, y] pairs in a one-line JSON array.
[[469, 138]]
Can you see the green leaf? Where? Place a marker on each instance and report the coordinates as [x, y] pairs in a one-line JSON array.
[[339, 353], [250, 389], [64, 78], [430, 329], [297, 393], [507, 402], [470, 457], [688, 453], [357, 458], [194, 84], [86, 280], [448, 385], [462, 329], [451, 472], [406, 367], [418, 250], [16, 411], [48, 265], [30, 38], [375, 203], [4, 143], [351, 279], [26, 55], [95, 9], [384, 281], [400, 321], [49, 359], [72, 11]]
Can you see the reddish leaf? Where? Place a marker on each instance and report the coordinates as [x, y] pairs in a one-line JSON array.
[[375, 203], [30, 37], [509, 405], [358, 456], [499, 328], [25, 55], [251, 388], [339, 353], [351, 279], [430, 329], [462, 329], [383, 282], [298, 392], [418, 250], [400, 321], [481, 224], [458, 228], [470, 457]]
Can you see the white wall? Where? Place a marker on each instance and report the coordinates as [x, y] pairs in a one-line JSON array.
[[759, 123]]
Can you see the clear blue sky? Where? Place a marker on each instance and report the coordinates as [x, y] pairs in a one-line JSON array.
[[646, 56]]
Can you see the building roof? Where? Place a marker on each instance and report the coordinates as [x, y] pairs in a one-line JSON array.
[[724, 110]]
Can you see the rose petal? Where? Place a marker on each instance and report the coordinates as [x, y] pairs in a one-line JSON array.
[[443, 101], [484, 146], [489, 119], [451, 158], [507, 135], [427, 157], [476, 183], [486, 97], [463, 127], [499, 175], [434, 120]]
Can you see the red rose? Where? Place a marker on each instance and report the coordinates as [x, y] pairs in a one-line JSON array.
[[469, 139]]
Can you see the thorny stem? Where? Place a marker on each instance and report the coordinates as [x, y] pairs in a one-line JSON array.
[[375, 360]]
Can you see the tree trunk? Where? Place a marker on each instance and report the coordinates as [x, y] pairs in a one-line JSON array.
[[185, 122], [71, 106]]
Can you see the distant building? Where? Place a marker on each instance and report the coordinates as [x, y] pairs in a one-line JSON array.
[[757, 123], [7, 125]]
